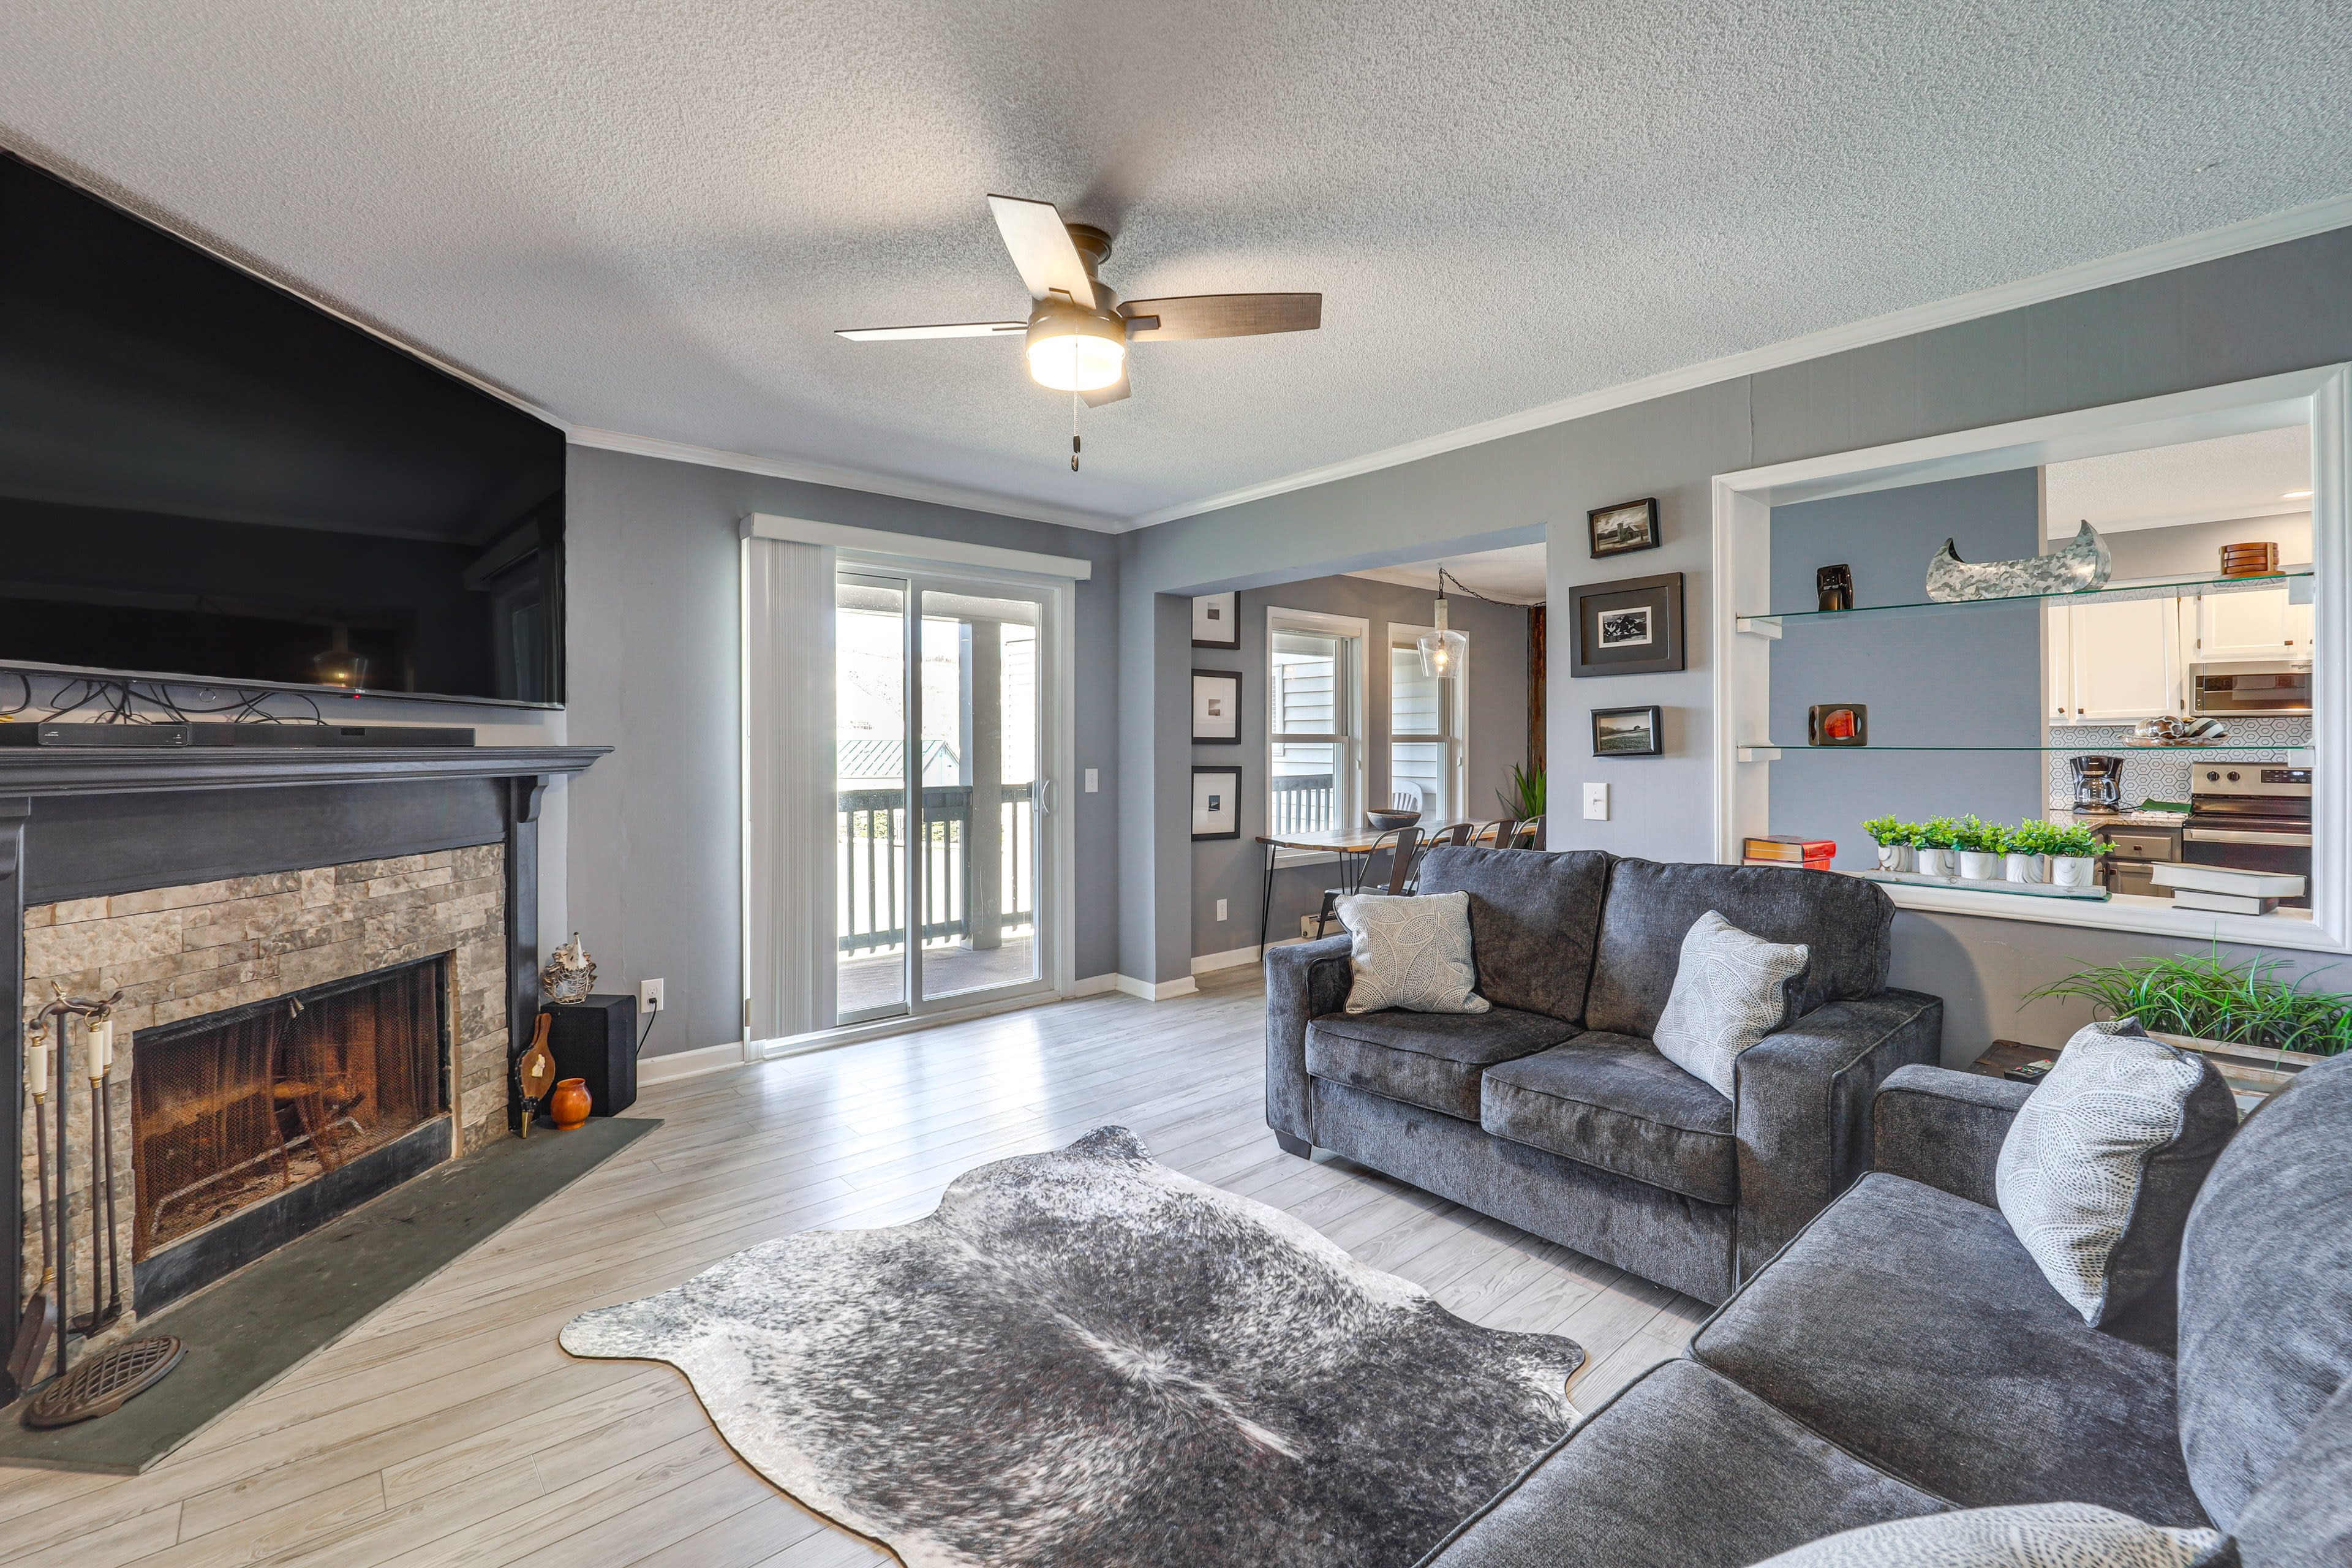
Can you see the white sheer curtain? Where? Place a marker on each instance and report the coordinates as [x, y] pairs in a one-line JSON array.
[[788, 785]]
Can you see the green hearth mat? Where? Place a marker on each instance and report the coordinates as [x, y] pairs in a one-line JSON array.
[[258, 1323]]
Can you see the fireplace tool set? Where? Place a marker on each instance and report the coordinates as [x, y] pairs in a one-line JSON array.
[[120, 1371]]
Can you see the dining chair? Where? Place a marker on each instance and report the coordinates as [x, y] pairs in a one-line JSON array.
[[1400, 843], [1455, 837]]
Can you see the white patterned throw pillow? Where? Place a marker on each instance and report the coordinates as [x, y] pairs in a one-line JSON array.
[[1410, 952], [1731, 991], [2071, 1166], [2035, 1535]]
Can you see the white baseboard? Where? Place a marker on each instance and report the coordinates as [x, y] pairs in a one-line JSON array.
[[1092, 985], [1235, 957], [1158, 991], [676, 1065]]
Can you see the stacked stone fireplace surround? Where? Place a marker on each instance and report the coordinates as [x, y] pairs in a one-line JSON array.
[[182, 947]]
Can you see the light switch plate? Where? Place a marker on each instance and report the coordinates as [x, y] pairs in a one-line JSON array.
[[1094, 780], [1220, 908], [1596, 803]]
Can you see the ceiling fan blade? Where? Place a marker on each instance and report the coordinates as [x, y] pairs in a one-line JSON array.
[[1042, 248], [954, 330], [1111, 394], [1221, 316]]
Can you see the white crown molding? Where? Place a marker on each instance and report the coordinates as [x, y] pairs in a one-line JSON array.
[[2232, 239], [840, 478]]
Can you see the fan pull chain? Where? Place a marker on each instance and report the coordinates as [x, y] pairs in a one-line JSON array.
[[1073, 432]]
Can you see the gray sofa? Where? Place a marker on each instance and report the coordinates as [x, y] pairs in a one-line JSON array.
[[1554, 1112], [1904, 1356]]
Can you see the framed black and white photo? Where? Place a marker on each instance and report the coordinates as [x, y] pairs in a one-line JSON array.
[[1216, 621], [1217, 801], [1217, 707], [1627, 526], [1628, 732], [1630, 627]]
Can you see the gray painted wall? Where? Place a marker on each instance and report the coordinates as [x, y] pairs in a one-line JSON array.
[[1962, 677], [2279, 309], [653, 837], [1234, 869], [2194, 549]]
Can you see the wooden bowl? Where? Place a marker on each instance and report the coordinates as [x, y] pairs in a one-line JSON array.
[[1389, 820]]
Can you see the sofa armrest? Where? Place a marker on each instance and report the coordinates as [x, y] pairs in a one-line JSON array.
[[1803, 1109], [1944, 1129], [1303, 981]]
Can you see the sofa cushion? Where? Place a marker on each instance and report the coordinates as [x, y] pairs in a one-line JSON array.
[[1413, 953], [2302, 1513], [2266, 1287], [1614, 1101], [1533, 918], [1842, 920], [1909, 1326], [1681, 1469], [2030, 1535], [1731, 990], [2101, 1165], [1429, 1060]]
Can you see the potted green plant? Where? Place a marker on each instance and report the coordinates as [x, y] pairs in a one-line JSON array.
[[1894, 838], [1979, 843], [1934, 840], [2025, 849], [1524, 799], [2073, 852], [2260, 1030]]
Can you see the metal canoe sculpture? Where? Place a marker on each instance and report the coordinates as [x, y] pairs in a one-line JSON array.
[[2084, 564]]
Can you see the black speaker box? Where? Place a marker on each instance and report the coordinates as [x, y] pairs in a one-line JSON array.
[[597, 1040]]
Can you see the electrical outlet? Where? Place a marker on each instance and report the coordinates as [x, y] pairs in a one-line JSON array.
[[1596, 803], [1220, 908], [1094, 780], [649, 995]]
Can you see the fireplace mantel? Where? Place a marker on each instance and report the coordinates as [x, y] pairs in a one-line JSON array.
[[92, 822]]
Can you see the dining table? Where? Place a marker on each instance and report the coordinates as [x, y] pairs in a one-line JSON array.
[[1348, 843]]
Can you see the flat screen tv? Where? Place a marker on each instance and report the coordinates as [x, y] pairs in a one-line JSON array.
[[206, 479]]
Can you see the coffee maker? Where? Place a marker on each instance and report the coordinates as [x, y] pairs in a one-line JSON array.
[[2098, 785]]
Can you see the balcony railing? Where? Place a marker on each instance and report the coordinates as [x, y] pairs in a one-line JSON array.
[[1302, 803], [874, 841]]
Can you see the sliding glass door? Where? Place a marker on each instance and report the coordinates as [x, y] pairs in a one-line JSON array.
[[941, 791]]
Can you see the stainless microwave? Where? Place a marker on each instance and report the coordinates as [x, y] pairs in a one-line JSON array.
[[2271, 687]]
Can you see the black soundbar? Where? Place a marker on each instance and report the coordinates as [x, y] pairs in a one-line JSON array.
[[217, 733]]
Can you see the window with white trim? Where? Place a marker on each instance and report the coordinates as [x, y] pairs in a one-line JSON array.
[[1315, 720], [1428, 747]]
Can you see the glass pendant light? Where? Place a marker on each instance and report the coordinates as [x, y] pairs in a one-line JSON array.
[[1441, 651]]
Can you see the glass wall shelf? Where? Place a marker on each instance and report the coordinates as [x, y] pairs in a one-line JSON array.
[[1770, 624], [2253, 750]]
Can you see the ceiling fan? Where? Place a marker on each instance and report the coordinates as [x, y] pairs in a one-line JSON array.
[[1078, 330]]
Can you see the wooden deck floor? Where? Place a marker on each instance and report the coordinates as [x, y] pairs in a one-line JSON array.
[[449, 1430]]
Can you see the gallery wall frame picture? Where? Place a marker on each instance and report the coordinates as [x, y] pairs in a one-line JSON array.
[[1216, 800], [1217, 621], [1629, 732], [1624, 528], [1630, 626], [1217, 707], [1837, 724]]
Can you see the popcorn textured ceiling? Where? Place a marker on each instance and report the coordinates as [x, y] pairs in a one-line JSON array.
[[648, 216]]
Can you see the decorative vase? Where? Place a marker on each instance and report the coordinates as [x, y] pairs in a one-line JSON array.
[[1935, 861], [2025, 867], [2074, 871], [1897, 858], [1979, 865], [569, 1105]]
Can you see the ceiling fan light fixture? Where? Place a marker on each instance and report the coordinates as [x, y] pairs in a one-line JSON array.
[[1071, 349]]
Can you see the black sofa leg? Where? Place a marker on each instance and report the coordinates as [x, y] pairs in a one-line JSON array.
[[1298, 1146]]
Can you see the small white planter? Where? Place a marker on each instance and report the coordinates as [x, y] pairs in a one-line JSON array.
[[1897, 858], [1935, 861], [2074, 871], [2025, 867], [1979, 865]]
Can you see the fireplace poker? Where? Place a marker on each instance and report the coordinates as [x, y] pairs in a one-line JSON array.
[[98, 1044], [41, 1318], [59, 1009]]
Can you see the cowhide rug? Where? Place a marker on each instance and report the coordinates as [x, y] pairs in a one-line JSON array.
[[1084, 1358]]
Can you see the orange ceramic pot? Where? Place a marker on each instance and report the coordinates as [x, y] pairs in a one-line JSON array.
[[569, 1103]]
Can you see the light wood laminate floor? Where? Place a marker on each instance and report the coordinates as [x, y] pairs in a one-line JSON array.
[[448, 1429]]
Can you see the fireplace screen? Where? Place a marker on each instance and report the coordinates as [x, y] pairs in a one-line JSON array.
[[233, 1108]]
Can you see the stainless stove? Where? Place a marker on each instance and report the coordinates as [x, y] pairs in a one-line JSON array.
[[2250, 817]]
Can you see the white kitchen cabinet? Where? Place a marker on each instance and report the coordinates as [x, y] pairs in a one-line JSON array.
[[2257, 625], [2057, 666], [2121, 661]]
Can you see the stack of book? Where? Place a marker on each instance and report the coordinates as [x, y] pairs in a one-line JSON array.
[[1787, 849]]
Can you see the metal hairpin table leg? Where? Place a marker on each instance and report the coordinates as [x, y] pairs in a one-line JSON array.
[[1265, 904]]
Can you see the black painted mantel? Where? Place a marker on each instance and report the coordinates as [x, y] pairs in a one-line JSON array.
[[86, 822]]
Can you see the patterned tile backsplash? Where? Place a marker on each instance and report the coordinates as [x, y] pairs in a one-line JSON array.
[[2156, 772]]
